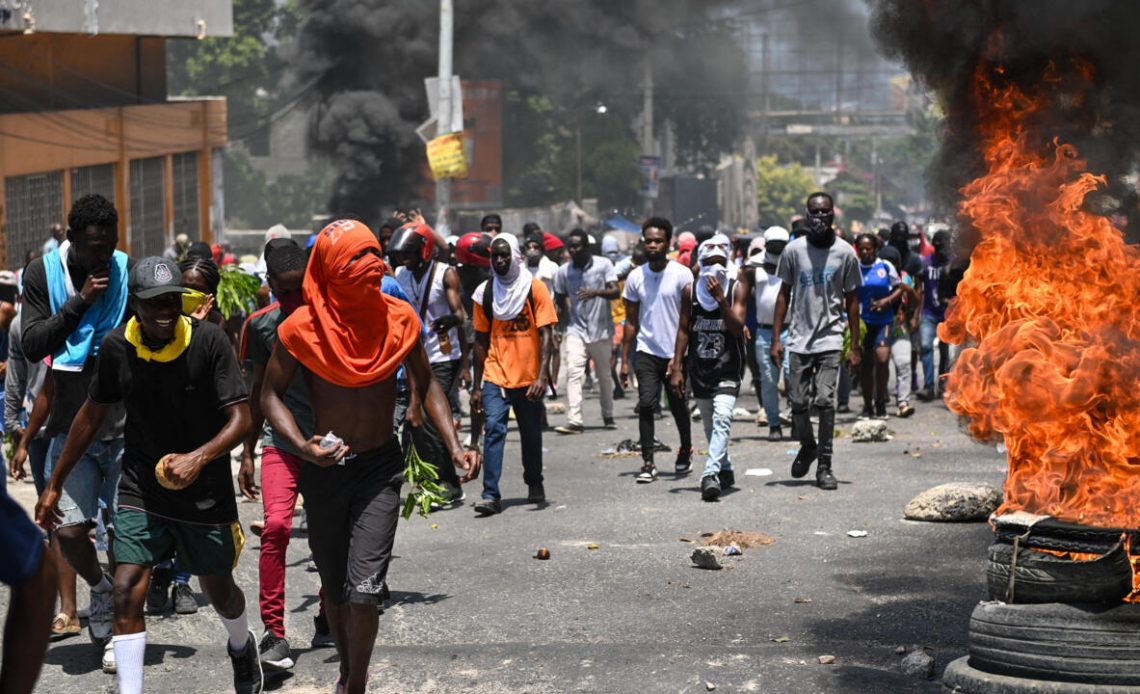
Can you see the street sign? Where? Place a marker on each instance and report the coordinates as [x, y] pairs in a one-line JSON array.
[[455, 123], [446, 156]]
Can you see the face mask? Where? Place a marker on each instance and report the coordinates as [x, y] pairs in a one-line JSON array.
[[820, 233]]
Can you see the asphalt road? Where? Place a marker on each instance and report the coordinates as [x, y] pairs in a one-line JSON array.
[[472, 610]]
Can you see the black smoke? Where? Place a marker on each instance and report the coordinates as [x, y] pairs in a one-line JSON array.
[[945, 43], [366, 61]]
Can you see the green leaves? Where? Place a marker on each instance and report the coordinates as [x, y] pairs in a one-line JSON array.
[[422, 476], [237, 292]]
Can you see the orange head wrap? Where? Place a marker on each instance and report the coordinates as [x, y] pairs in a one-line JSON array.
[[349, 333]]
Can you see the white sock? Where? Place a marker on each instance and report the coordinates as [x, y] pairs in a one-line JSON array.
[[103, 586], [129, 652], [238, 629]]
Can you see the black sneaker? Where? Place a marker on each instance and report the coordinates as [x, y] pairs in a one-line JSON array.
[[803, 461], [684, 463], [609, 423], [775, 433], [710, 488], [823, 477], [452, 494], [156, 596], [570, 429], [881, 410], [843, 409], [727, 479], [248, 675], [925, 395], [275, 652], [536, 494], [619, 393], [648, 474], [488, 507], [321, 634], [183, 598], [867, 413]]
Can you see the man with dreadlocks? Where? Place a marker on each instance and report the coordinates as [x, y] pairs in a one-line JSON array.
[[346, 342]]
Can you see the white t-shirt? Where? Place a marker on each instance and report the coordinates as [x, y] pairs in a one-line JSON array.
[[659, 294], [767, 291]]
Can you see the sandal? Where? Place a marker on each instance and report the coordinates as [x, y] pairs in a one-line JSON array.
[[63, 626]]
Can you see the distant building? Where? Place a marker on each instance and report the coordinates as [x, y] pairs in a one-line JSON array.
[[84, 109]]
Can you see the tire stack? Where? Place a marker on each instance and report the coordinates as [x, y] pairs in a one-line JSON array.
[[1059, 626]]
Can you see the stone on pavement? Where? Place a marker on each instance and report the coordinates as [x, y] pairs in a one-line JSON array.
[[705, 558], [954, 502], [869, 430], [918, 663]]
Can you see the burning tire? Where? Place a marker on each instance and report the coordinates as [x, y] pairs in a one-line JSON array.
[[1092, 644], [1045, 578]]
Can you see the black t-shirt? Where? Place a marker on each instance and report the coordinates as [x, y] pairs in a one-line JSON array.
[[173, 407]]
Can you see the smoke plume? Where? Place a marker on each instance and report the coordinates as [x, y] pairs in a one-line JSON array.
[[945, 42]]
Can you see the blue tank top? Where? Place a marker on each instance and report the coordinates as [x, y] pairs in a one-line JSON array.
[[876, 285]]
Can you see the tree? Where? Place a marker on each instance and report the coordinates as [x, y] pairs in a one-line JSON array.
[[781, 189], [853, 197]]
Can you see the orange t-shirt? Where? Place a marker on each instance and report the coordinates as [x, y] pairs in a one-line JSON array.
[[516, 348]]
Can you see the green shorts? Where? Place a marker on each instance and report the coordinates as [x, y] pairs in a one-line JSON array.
[[203, 550]]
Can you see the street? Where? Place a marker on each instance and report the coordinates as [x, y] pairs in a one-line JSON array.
[[473, 610]]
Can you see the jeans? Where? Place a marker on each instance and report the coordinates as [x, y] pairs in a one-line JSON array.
[[94, 479], [819, 373], [427, 439], [280, 482], [900, 355], [578, 356], [769, 377], [650, 371], [716, 414], [497, 403], [927, 331]]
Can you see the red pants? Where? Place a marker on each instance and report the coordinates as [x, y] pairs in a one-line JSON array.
[[280, 473]]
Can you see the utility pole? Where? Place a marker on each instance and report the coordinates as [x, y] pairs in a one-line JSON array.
[[647, 142], [446, 25]]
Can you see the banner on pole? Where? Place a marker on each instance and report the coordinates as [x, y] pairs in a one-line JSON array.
[[446, 156]]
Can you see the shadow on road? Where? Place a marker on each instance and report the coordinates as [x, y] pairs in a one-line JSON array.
[[81, 658]]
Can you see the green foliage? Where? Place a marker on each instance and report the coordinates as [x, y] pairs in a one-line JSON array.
[[782, 190], [853, 197], [423, 478], [237, 292]]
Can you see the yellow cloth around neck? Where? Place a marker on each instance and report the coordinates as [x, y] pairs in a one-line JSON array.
[[171, 351]]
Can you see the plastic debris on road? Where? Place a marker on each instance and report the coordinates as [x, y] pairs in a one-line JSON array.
[[757, 472], [856, 533], [732, 551]]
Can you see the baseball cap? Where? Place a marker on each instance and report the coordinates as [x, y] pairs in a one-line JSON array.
[[155, 276], [775, 234]]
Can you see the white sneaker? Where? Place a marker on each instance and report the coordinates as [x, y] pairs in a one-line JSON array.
[[109, 658], [101, 614]]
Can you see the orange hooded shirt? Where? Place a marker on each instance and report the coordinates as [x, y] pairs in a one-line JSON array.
[[349, 333]]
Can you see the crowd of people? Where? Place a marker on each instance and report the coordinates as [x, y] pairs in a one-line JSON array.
[[127, 389]]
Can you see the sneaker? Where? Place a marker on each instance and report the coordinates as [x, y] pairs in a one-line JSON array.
[[321, 635], [609, 423], [183, 598], [275, 652], [156, 595], [536, 494], [925, 395], [684, 463], [488, 507], [570, 429], [648, 474], [881, 410], [906, 410], [102, 612], [453, 493], [710, 488], [824, 479], [619, 393], [868, 412], [775, 434], [727, 479], [803, 461], [109, 658], [843, 409], [248, 675]]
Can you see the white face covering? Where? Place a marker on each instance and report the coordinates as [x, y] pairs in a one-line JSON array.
[[511, 290], [713, 249]]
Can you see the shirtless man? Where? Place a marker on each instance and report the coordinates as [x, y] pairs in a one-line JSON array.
[[348, 341]]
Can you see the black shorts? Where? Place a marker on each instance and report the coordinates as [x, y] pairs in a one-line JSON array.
[[353, 510]]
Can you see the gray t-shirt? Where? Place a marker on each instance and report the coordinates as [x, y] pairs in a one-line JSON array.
[[591, 320], [819, 278]]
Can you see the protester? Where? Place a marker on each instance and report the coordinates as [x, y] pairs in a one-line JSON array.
[[710, 349], [912, 264], [686, 244], [177, 250], [186, 439], [825, 276], [281, 464], [73, 297], [767, 286], [878, 293], [513, 319], [900, 334], [652, 298], [348, 340], [434, 291], [584, 287], [491, 224], [29, 571], [932, 309], [277, 231], [473, 251]]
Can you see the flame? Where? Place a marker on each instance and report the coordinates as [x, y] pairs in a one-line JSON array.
[[1050, 311]]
